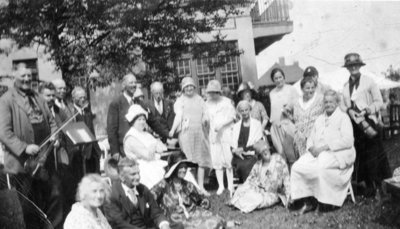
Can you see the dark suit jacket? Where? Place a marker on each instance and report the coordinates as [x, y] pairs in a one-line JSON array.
[[122, 214], [16, 131], [168, 115], [117, 125]]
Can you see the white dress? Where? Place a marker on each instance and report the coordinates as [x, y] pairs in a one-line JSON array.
[[81, 218], [221, 141], [280, 97], [144, 148], [326, 177]]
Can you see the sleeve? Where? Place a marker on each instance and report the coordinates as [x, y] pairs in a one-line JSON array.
[[115, 216], [154, 122], [112, 127], [253, 176], [158, 191], [7, 135], [376, 98], [346, 139]]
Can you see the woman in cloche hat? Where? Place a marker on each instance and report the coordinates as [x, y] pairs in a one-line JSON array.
[[180, 200], [220, 115], [189, 110]]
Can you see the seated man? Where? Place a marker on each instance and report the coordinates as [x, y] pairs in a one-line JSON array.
[[131, 204], [246, 132], [323, 173]]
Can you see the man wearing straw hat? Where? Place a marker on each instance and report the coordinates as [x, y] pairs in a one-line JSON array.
[[362, 101]]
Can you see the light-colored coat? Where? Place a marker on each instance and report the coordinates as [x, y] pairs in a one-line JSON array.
[[16, 131], [327, 176], [366, 95]]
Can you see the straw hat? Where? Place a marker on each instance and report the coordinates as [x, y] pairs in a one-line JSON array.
[[214, 86], [174, 161], [187, 81], [134, 111]]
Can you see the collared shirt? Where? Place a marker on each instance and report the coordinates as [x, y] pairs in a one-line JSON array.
[[60, 103], [128, 98], [31, 107], [159, 105]]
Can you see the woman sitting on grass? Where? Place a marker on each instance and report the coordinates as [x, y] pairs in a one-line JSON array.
[[180, 199], [267, 184]]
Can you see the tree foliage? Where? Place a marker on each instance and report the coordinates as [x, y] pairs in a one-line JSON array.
[[392, 73], [81, 35]]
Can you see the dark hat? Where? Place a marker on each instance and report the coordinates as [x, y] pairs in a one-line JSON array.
[[174, 161], [352, 59], [310, 71]]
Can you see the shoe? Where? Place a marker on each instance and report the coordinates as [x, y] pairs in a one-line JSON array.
[[324, 208], [220, 191], [205, 193]]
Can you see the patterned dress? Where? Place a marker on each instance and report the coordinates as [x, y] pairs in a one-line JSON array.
[[264, 187], [185, 205], [258, 111], [192, 138], [81, 218], [304, 120]]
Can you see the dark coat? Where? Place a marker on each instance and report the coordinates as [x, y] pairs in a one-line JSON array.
[[16, 131], [122, 214], [168, 115], [118, 126]]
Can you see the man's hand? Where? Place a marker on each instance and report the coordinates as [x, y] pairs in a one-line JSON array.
[[32, 149], [353, 114]]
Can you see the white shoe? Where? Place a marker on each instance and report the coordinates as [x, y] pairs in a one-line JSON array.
[[220, 191]]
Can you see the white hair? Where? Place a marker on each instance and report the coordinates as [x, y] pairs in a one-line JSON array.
[[156, 85], [83, 186], [58, 82], [76, 90], [126, 78]]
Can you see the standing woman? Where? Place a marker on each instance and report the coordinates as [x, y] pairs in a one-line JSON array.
[[281, 95], [220, 117], [189, 109], [305, 112]]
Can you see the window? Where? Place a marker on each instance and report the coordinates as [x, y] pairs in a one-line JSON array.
[[183, 67], [230, 72], [205, 72]]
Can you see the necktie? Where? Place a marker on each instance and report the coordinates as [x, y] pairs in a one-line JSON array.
[[132, 197], [159, 106]]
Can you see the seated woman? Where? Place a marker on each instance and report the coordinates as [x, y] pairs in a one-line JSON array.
[[92, 192], [267, 184], [246, 132], [180, 199], [144, 148], [324, 172]]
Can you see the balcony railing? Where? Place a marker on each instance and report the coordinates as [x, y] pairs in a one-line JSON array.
[[270, 11]]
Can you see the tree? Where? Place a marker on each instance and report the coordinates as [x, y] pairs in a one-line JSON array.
[[392, 74], [81, 35]]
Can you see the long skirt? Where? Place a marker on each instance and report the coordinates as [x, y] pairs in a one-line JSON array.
[[321, 178]]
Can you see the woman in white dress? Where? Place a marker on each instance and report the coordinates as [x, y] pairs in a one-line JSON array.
[[323, 174], [220, 117], [92, 192], [144, 148]]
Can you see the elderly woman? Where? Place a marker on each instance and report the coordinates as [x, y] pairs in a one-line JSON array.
[[180, 200], [189, 109], [305, 111], [220, 115], [257, 109], [324, 172], [143, 147], [92, 192], [246, 132], [267, 184]]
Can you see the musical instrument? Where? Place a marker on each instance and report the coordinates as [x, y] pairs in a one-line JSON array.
[[33, 163]]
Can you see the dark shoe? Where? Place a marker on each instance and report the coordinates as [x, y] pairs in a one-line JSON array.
[[324, 208], [296, 205]]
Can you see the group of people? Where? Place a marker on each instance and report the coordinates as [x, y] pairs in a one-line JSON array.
[[303, 152]]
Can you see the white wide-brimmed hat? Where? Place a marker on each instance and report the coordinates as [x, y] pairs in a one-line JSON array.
[[134, 111]]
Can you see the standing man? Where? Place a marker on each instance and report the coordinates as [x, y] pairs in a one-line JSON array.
[[25, 123], [362, 102], [117, 124], [60, 100], [162, 108]]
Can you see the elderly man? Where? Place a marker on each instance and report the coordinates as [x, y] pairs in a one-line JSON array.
[[323, 174], [118, 126], [362, 100], [131, 204], [60, 101], [162, 108], [26, 122]]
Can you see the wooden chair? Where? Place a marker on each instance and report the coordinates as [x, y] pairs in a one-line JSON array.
[[394, 115]]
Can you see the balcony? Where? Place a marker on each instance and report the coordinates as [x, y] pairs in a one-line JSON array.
[[271, 22]]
